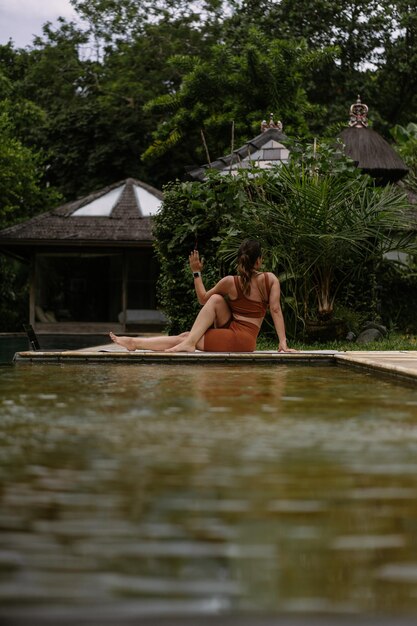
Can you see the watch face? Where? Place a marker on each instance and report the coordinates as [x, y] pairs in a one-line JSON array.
[[196, 274]]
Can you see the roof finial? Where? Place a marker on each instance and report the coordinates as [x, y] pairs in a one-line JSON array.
[[265, 125], [358, 114]]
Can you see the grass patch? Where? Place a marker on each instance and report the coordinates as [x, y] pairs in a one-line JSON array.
[[394, 341]]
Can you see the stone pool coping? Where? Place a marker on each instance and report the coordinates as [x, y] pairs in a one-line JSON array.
[[399, 364]]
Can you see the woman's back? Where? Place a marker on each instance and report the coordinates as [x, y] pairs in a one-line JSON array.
[[253, 305]]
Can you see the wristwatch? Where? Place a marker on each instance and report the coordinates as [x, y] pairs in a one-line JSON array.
[[196, 274]]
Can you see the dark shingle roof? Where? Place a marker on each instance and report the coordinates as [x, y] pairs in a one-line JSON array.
[[128, 222], [255, 151]]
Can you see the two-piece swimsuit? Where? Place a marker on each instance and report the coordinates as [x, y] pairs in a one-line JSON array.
[[239, 335]]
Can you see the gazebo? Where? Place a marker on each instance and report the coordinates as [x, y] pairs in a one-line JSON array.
[[92, 264], [370, 152], [265, 150]]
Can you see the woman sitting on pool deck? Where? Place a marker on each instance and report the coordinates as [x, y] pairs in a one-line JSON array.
[[225, 326]]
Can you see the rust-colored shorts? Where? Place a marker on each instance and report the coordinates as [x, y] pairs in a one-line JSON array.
[[239, 336]]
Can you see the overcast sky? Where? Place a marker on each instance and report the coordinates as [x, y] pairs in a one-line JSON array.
[[20, 20]]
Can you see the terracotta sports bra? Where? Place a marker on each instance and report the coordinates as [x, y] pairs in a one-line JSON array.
[[246, 307]]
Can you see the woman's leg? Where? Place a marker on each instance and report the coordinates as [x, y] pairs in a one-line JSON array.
[[216, 311], [148, 343]]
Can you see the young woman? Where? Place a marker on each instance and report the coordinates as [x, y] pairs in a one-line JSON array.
[[232, 313]]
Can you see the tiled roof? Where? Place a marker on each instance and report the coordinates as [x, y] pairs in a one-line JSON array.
[[128, 221], [263, 151]]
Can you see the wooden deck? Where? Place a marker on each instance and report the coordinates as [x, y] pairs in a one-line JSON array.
[[401, 365]]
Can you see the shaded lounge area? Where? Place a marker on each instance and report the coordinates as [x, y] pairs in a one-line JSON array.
[[92, 263]]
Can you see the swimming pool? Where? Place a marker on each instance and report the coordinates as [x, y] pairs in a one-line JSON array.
[[220, 489]]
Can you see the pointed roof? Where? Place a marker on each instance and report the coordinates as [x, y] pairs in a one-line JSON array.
[[369, 150], [119, 214], [264, 151]]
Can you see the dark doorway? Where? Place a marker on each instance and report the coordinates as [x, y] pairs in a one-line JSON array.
[[80, 288]]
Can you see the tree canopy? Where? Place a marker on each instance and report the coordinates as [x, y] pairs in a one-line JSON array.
[[128, 89]]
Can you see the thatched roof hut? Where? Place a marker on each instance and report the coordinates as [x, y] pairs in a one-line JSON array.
[[370, 152]]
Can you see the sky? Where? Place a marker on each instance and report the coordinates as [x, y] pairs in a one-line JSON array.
[[20, 20]]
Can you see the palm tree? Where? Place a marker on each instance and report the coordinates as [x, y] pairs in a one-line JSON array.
[[323, 228]]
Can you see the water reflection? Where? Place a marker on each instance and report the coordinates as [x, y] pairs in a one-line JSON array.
[[204, 489]]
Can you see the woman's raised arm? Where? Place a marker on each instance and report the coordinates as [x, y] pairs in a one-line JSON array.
[[196, 265]]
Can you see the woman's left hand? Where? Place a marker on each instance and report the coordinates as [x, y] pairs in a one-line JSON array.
[[284, 348]]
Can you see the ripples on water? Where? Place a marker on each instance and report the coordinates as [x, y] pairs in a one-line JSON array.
[[171, 489]]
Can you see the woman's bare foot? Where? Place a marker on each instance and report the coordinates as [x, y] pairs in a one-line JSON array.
[[184, 346], [126, 342]]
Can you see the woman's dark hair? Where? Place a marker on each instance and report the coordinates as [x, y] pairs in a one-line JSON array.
[[247, 255]]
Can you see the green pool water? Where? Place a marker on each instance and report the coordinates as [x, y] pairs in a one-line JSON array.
[[172, 490]]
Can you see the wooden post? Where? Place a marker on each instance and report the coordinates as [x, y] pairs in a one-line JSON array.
[[32, 289], [232, 147], [124, 289], [206, 148]]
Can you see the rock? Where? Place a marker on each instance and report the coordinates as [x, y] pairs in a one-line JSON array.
[[369, 335], [382, 329], [350, 336]]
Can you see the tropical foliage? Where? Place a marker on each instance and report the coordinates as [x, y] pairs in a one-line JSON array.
[[323, 230], [406, 143], [322, 224]]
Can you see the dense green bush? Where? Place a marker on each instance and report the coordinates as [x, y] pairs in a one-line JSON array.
[[14, 294], [193, 215], [398, 296]]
